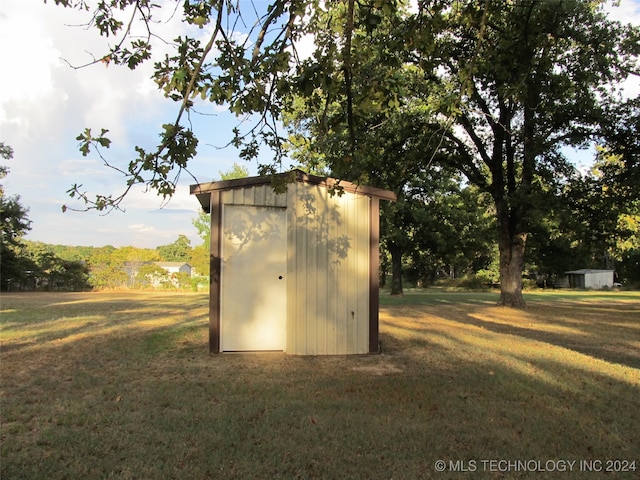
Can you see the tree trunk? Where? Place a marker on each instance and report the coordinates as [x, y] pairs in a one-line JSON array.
[[396, 269], [511, 244]]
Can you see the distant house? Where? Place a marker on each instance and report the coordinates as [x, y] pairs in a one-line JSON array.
[[175, 267], [156, 279], [590, 278]]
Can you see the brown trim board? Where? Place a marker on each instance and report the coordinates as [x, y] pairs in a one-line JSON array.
[[214, 276], [374, 281]]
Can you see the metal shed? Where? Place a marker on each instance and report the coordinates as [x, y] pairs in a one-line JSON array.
[[295, 271], [590, 278]]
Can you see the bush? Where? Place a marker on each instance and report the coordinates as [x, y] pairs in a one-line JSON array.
[[474, 283]]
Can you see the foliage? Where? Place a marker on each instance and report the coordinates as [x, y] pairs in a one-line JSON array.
[[13, 216], [604, 221], [501, 88], [236, 171], [522, 86], [220, 65], [57, 267], [14, 223], [106, 270], [151, 275], [178, 251]]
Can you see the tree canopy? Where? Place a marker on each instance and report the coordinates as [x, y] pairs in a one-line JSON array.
[[492, 90]]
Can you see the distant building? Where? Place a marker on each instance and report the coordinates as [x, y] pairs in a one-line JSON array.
[[172, 270], [175, 267], [590, 278]]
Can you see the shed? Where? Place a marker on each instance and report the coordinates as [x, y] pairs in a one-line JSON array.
[[295, 271], [590, 278]]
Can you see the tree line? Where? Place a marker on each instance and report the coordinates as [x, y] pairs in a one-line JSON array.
[[441, 229], [42, 266]]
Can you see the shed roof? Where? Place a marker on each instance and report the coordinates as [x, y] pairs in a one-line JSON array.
[[588, 270], [172, 264], [203, 190]]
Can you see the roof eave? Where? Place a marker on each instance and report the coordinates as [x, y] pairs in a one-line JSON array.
[[203, 190]]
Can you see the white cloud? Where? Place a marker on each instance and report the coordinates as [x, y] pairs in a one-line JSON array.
[[81, 167], [141, 228], [27, 70], [628, 11]]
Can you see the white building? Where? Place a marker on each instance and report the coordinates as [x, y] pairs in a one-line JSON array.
[[590, 278]]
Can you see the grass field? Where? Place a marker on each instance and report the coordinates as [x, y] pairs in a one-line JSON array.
[[120, 385]]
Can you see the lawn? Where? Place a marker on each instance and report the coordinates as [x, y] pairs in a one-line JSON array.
[[120, 385]]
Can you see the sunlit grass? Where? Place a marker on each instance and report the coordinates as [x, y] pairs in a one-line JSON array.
[[120, 385]]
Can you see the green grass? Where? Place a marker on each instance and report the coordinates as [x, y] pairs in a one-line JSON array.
[[120, 385]]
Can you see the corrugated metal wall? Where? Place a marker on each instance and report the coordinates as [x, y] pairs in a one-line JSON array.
[[327, 266], [328, 276], [259, 195]]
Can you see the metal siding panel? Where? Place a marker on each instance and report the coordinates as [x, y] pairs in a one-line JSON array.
[[301, 271], [249, 195], [374, 281], [237, 196], [341, 273], [333, 267], [292, 275], [309, 224], [226, 197], [280, 198], [352, 280], [270, 195], [260, 196], [322, 248]]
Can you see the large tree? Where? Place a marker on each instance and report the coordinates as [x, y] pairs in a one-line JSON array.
[[517, 81], [14, 223], [504, 86], [507, 83]]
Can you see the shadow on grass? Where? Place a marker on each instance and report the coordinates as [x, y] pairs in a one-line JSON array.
[[621, 352], [38, 319], [614, 341], [603, 325]]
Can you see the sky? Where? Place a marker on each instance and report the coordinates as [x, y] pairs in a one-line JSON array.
[[45, 104]]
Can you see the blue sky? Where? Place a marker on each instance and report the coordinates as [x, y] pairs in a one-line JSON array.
[[45, 104]]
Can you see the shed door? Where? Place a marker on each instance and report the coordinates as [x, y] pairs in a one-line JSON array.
[[253, 287]]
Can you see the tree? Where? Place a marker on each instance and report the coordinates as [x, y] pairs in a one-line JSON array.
[[14, 223], [604, 215], [107, 269], [178, 251], [241, 60], [236, 171], [517, 82], [50, 272], [152, 275]]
